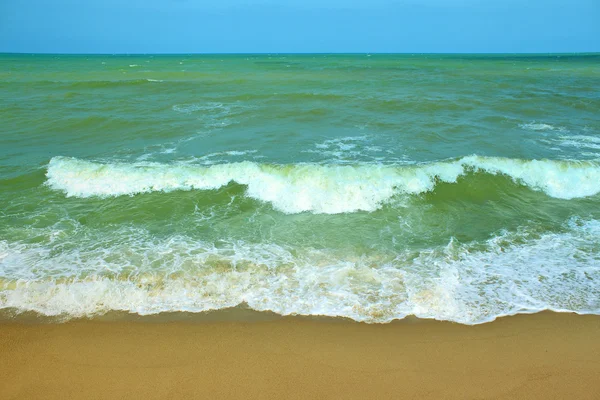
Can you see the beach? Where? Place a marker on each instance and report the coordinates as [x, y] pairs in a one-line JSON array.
[[319, 226], [540, 356]]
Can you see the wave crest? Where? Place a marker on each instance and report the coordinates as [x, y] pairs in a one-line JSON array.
[[317, 188]]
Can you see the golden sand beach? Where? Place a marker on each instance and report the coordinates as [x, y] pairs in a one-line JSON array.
[[541, 356]]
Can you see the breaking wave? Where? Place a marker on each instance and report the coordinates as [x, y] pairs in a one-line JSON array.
[[469, 283], [317, 188]]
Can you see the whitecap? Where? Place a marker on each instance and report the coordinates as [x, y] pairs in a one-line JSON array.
[[534, 126], [313, 187]]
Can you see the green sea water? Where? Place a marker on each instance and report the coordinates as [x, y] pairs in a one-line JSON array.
[[455, 187]]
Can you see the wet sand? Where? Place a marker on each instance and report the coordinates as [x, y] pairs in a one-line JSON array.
[[542, 356]]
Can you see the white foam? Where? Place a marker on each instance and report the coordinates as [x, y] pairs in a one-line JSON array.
[[584, 138], [467, 283], [291, 189], [581, 141], [341, 148], [533, 126], [230, 153], [312, 187], [209, 107], [560, 179], [555, 271], [187, 108], [213, 114]]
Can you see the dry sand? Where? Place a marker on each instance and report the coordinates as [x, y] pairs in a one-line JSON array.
[[542, 356]]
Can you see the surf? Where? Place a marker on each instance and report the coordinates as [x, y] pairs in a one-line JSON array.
[[317, 188], [470, 283]]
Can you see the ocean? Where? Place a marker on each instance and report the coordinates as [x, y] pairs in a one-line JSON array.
[[365, 186]]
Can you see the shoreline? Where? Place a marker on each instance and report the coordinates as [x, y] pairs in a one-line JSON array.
[[244, 314], [529, 356]]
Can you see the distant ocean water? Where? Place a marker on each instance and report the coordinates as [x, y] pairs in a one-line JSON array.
[[455, 187]]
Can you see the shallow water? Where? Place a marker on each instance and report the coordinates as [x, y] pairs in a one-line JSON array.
[[373, 187]]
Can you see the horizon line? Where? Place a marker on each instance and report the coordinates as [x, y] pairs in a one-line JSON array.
[[299, 53]]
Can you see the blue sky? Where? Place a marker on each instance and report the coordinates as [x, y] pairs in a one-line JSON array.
[[223, 26]]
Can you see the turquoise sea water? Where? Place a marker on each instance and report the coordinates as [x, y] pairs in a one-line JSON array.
[[455, 187]]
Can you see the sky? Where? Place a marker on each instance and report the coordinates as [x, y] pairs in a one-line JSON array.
[[299, 26]]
